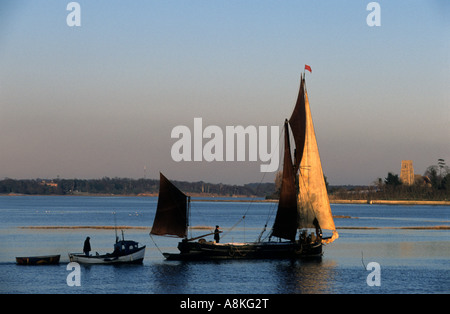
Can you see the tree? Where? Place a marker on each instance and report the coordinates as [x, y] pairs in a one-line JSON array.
[[378, 183], [438, 174], [326, 182], [392, 180], [445, 183], [432, 174]]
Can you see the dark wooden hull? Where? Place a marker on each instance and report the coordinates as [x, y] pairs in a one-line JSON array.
[[263, 250], [38, 260]]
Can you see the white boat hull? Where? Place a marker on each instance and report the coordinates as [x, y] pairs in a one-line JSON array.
[[133, 258]]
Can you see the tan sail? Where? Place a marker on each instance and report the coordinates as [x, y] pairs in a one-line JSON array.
[[313, 200]]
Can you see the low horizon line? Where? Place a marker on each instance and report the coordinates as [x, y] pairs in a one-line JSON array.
[[175, 180]]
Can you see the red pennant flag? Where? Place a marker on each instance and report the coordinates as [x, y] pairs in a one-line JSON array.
[[307, 67]]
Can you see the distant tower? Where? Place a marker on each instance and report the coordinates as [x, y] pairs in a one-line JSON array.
[[407, 172]]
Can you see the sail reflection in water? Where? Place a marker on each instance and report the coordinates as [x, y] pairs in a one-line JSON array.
[[306, 276], [239, 276]]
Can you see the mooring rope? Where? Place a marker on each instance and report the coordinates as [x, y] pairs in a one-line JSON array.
[[151, 237]]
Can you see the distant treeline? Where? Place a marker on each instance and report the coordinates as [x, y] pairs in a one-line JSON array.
[[125, 186], [434, 185], [400, 192]]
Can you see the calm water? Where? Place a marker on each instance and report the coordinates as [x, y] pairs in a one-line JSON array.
[[411, 261]]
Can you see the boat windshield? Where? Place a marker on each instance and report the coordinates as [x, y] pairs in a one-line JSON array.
[[124, 246]]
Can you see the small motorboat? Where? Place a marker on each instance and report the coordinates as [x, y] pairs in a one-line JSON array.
[[38, 260], [125, 252]]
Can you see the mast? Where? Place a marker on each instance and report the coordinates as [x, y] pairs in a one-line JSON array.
[[115, 226], [188, 215]]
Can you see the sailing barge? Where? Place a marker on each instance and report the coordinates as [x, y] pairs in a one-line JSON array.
[[303, 208]]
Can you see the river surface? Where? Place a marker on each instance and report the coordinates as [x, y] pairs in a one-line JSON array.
[[375, 252]]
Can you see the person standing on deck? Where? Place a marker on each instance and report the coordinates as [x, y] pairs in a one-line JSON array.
[[87, 246], [216, 234]]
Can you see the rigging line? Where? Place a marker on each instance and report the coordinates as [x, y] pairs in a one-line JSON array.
[[272, 210], [273, 205], [259, 184], [232, 227], [151, 237], [189, 216], [270, 213]]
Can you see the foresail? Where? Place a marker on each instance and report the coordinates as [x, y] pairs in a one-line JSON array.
[[171, 212], [312, 198], [286, 220]]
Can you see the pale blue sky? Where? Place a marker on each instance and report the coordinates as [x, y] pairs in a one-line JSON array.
[[101, 99]]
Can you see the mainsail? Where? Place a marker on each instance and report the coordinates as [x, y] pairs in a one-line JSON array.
[[171, 213], [312, 204]]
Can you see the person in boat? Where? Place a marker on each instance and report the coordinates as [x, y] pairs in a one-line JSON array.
[[216, 234], [318, 230], [87, 246], [303, 237]]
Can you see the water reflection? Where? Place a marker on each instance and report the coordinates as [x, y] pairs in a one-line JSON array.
[[305, 276], [169, 277], [244, 276]]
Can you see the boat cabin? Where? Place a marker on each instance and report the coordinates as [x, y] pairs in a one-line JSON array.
[[124, 247]]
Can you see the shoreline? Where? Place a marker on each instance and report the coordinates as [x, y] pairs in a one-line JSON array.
[[391, 202], [439, 227], [249, 199], [371, 202]]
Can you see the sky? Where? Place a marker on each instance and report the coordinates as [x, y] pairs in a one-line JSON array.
[[101, 99]]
